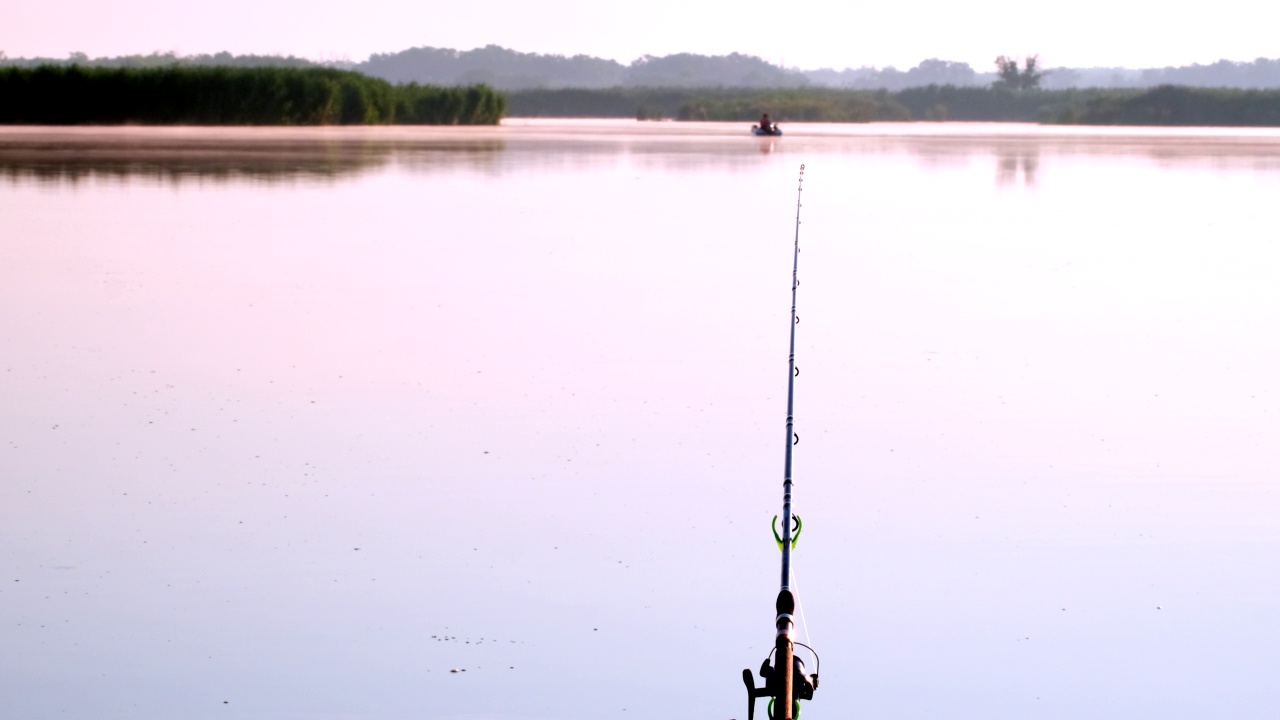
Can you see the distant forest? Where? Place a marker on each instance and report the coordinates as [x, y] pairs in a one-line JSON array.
[[1167, 105], [505, 69]]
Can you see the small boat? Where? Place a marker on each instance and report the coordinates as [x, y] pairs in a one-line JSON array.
[[773, 129]]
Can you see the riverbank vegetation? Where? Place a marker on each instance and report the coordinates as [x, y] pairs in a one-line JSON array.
[[1165, 105], [723, 104], [1180, 106], [934, 102], [216, 95], [68, 95]]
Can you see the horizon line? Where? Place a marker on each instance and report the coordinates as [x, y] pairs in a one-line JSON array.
[[331, 58]]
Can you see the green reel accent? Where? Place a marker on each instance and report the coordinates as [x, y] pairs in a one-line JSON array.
[[795, 709], [794, 538]]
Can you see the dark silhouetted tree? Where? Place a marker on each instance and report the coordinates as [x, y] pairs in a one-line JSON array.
[[1014, 78]]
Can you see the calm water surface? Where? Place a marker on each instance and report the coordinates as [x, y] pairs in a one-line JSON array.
[[293, 423]]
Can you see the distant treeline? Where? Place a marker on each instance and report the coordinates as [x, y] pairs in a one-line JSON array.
[[935, 102], [60, 95], [511, 70], [785, 104], [1259, 74], [506, 69], [1176, 105], [166, 59], [1165, 105], [63, 95]]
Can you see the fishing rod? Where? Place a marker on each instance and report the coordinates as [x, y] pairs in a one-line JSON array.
[[786, 683]]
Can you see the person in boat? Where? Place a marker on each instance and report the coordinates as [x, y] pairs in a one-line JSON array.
[[765, 125]]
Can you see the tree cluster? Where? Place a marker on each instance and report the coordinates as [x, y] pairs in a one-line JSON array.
[[1011, 77]]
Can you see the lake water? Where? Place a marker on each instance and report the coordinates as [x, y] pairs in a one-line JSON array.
[[295, 423]]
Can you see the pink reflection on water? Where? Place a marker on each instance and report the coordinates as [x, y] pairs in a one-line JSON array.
[[535, 374]]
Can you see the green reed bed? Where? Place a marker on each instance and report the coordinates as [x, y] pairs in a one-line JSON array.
[[1183, 106], [70, 95], [807, 104], [1165, 105], [795, 105]]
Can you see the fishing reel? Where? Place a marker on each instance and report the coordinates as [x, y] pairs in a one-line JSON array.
[[802, 685], [775, 676]]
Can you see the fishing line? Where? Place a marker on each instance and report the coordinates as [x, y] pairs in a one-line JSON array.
[[800, 606]]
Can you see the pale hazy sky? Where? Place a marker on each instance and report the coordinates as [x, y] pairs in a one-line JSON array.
[[819, 33]]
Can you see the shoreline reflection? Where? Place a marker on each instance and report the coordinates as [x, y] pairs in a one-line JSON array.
[[175, 155]]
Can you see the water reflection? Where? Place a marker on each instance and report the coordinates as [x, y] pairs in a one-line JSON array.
[[506, 401], [221, 155], [176, 155], [1017, 166]]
